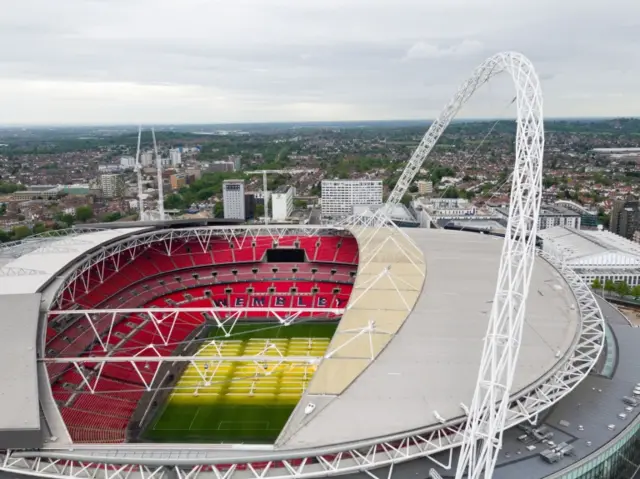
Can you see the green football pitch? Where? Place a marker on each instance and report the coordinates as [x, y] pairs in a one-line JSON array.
[[241, 402]]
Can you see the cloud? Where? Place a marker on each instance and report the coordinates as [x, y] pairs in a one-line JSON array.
[[421, 50], [255, 60]]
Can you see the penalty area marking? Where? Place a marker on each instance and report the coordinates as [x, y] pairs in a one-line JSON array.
[[194, 418], [237, 425]]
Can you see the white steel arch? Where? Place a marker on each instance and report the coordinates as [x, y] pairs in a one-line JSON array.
[[487, 415]]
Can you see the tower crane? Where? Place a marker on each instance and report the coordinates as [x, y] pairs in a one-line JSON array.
[[264, 183]]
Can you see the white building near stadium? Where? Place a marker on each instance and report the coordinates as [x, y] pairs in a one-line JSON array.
[[594, 254], [282, 203], [340, 196]]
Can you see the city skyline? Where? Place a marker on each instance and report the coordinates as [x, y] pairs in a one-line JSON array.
[[117, 62]]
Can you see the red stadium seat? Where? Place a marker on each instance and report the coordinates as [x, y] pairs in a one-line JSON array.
[[184, 274]]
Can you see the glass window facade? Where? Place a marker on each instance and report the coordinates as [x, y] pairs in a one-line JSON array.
[[619, 461]]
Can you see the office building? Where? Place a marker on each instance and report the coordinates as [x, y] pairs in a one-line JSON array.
[[282, 203], [340, 196], [127, 162], [236, 161], [111, 185], [221, 166], [146, 158], [625, 217], [177, 181], [250, 203], [233, 199], [551, 216], [175, 157]]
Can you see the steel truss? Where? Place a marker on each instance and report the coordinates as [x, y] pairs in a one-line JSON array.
[[11, 271], [121, 252], [367, 457], [15, 249], [488, 411], [168, 316]]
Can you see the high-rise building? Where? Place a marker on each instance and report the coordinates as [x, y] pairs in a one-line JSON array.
[[146, 158], [236, 160], [175, 157], [340, 196], [111, 185], [625, 217], [233, 199], [250, 205], [282, 203]]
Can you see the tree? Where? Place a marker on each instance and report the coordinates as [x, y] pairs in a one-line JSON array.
[[406, 199], [451, 192], [609, 286], [173, 202], [20, 232], [110, 217], [67, 219], [597, 284], [259, 210], [622, 288], [39, 228], [84, 213], [218, 210], [635, 291], [4, 236]]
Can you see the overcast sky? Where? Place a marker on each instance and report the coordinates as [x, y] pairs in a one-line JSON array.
[[177, 61]]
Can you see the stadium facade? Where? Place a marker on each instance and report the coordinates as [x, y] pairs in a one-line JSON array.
[[100, 327]]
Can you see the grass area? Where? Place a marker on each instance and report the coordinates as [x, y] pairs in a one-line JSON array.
[[234, 401]]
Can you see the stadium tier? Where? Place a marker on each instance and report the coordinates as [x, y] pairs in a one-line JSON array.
[[234, 352]]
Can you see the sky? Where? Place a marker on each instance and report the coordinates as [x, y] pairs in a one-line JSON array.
[[226, 61]]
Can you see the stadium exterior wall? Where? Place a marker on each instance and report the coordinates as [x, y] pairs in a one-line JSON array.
[[616, 460], [20, 438]]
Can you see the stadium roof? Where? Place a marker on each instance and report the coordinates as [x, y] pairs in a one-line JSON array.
[[18, 373], [45, 259], [427, 357], [431, 364]]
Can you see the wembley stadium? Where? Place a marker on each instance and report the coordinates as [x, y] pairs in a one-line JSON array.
[[211, 349], [239, 351]]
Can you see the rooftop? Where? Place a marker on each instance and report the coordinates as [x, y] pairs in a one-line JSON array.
[[548, 210], [45, 257], [19, 391], [431, 364], [576, 244]]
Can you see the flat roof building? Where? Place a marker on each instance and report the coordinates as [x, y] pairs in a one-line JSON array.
[[594, 255], [282, 203], [551, 216], [112, 185], [340, 196], [233, 199]]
